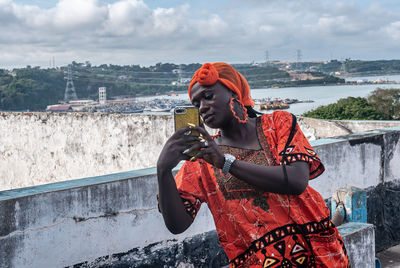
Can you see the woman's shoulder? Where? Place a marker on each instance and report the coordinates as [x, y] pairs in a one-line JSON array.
[[277, 118]]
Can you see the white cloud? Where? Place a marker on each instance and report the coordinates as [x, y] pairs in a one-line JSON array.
[[127, 17], [129, 31], [394, 30], [71, 14]]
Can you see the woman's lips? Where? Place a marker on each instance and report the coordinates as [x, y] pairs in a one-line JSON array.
[[208, 118]]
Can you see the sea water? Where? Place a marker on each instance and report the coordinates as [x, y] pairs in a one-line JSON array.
[[320, 95]]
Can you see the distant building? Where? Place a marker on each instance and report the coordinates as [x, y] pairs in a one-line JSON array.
[[102, 95]]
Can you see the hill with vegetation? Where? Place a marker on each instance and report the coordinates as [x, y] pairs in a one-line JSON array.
[[33, 88], [351, 67]]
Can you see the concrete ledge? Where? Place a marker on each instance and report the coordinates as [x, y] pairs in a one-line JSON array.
[[199, 251], [79, 221], [204, 251], [66, 223], [359, 239], [71, 184]]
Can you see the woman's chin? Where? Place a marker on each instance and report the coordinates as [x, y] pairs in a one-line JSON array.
[[211, 125]]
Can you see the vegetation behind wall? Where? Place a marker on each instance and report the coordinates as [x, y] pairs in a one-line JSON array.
[[381, 104]]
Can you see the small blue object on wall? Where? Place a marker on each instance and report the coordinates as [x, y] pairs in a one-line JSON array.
[[354, 201]]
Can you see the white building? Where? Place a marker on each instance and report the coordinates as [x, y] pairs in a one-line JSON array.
[[102, 95]]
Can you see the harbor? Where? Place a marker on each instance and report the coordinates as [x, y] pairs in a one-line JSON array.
[[158, 105], [296, 100]]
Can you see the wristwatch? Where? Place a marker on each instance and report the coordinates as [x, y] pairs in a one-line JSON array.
[[229, 159]]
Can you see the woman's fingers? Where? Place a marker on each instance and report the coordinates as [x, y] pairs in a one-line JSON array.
[[183, 131], [204, 133], [203, 152], [191, 138], [188, 144], [195, 147]]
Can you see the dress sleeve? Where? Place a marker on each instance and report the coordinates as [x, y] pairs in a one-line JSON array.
[[298, 149], [188, 183]]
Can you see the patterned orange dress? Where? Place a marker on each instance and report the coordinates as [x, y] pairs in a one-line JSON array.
[[262, 229]]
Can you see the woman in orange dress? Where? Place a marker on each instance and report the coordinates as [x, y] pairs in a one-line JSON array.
[[253, 175]]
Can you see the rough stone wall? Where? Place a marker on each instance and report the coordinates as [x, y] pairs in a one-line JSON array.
[[359, 239], [39, 148], [72, 224], [315, 129], [199, 251], [383, 205]]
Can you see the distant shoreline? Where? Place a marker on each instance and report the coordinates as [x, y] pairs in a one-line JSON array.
[[313, 85]]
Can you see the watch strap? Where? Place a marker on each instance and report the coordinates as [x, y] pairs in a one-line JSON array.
[[229, 159]]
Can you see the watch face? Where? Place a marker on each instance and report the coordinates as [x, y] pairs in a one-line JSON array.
[[231, 158]]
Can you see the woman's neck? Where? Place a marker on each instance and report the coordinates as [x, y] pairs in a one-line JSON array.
[[240, 135]]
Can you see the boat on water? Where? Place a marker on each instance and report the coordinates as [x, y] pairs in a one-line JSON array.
[[159, 109], [274, 106], [133, 111]]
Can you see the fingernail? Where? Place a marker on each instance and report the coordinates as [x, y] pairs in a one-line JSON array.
[[186, 151], [192, 159]]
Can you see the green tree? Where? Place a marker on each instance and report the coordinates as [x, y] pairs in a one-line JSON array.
[[350, 108], [386, 101]]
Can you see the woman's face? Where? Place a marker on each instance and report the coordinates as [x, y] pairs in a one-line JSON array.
[[213, 104]]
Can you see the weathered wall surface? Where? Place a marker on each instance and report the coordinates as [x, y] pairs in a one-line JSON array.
[[114, 219], [383, 205], [38, 148], [359, 239], [77, 221], [360, 160], [315, 129]]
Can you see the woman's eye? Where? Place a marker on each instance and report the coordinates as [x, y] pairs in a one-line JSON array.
[[209, 96]]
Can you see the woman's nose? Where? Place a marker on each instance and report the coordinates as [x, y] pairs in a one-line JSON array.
[[203, 107]]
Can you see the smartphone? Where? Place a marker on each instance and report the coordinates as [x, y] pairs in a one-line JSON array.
[[184, 115]]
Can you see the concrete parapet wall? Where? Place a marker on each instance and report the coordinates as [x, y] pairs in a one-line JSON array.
[[361, 160], [80, 221], [315, 129], [66, 223], [359, 239], [39, 148]]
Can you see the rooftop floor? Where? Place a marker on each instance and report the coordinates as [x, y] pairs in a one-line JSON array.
[[390, 258]]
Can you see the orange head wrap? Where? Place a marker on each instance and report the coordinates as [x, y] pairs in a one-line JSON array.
[[211, 73]]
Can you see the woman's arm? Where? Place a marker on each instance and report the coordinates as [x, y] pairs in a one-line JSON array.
[[271, 178], [265, 178], [174, 213]]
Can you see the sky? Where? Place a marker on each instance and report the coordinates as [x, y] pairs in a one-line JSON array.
[[146, 32]]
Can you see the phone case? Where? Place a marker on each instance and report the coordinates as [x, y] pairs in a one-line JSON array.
[[184, 115], [190, 115]]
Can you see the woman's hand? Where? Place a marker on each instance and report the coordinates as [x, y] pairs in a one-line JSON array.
[[208, 149], [179, 142]]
